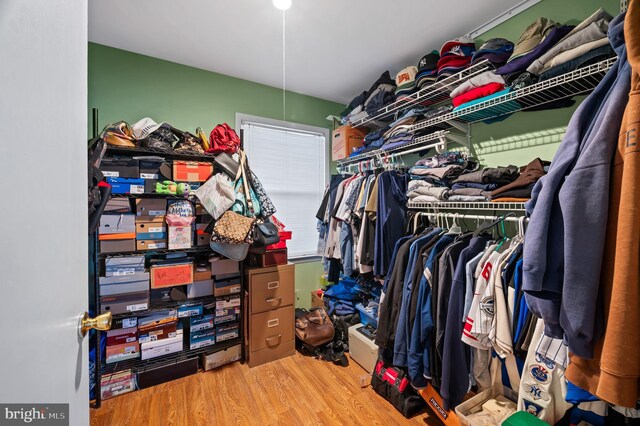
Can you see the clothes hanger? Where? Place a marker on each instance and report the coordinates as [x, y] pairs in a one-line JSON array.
[[455, 228]]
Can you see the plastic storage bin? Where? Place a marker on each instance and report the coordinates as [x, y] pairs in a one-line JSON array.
[[369, 315], [474, 405]]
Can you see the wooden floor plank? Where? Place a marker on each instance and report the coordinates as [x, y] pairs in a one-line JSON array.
[[297, 390]]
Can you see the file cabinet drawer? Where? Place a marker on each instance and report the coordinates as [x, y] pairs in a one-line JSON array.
[[272, 290], [272, 328]]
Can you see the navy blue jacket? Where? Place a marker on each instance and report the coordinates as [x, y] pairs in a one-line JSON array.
[[569, 206]]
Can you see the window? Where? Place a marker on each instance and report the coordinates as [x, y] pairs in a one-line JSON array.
[[292, 166]]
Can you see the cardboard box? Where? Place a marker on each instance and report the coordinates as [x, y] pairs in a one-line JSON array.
[[118, 323], [117, 246], [119, 167], [150, 230], [163, 295], [162, 317], [202, 275], [201, 288], [124, 265], [226, 286], [161, 347], [223, 266], [213, 360], [226, 332], [180, 237], [125, 283], [125, 287], [202, 338], [118, 206], [122, 352], [122, 336], [123, 303], [126, 185], [268, 258], [117, 383], [117, 224], [151, 376], [150, 169], [158, 332], [151, 207], [344, 140], [316, 301], [151, 245], [203, 322], [189, 311], [191, 171], [171, 275]]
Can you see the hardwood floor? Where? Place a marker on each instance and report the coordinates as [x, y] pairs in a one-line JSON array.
[[294, 391]]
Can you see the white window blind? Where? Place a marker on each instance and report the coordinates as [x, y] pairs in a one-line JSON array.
[[292, 168]]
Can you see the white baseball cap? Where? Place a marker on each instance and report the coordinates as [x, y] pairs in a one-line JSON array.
[[143, 128]]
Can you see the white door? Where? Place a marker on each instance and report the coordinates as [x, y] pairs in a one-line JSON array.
[[43, 210]]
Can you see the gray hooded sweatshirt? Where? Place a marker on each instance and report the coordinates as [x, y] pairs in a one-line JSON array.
[[565, 239]]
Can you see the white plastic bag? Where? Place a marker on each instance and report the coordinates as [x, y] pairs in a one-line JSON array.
[[216, 195]]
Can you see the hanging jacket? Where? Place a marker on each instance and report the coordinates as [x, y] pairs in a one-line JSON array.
[[565, 238], [614, 372], [391, 218]]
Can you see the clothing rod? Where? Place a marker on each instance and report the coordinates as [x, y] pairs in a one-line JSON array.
[[470, 216]]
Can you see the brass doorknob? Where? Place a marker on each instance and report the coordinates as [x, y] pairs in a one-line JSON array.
[[102, 322]]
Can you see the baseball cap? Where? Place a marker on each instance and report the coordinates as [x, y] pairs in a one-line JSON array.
[[532, 36], [461, 46], [143, 128], [428, 62], [406, 77]]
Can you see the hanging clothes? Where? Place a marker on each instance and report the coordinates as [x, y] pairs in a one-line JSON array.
[[614, 371]]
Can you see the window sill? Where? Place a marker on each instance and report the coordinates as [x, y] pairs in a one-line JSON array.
[[305, 259]]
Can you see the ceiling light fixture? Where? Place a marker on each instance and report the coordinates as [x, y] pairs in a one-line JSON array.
[[282, 4]]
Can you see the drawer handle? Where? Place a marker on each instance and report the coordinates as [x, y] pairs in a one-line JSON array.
[[273, 322], [276, 337], [273, 299], [273, 284]]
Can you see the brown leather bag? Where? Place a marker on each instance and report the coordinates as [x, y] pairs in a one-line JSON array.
[[314, 328]]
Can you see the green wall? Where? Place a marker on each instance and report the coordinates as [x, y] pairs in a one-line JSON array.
[[527, 135], [127, 86]]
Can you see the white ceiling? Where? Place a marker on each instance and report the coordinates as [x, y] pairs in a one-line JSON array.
[[334, 48]]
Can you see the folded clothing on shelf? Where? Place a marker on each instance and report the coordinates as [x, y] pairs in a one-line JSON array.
[[593, 28], [496, 51], [521, 63], [478, 81], [477, 93]]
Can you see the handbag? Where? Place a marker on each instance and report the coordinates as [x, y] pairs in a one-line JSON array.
[[266, 233], [225, 163], [314, 328], [267, 209], [216, 195], [247, 203], [188, 143], [223, 139], [232, 228]]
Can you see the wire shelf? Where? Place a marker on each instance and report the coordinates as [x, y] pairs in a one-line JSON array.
[[139, 151], [574, 83], [417, 142], [155, 195], [430, 95], [196, 249], [475, 206], [137, 365], [163, 306]]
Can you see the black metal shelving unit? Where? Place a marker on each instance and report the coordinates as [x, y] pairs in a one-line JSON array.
[[138, 365]]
